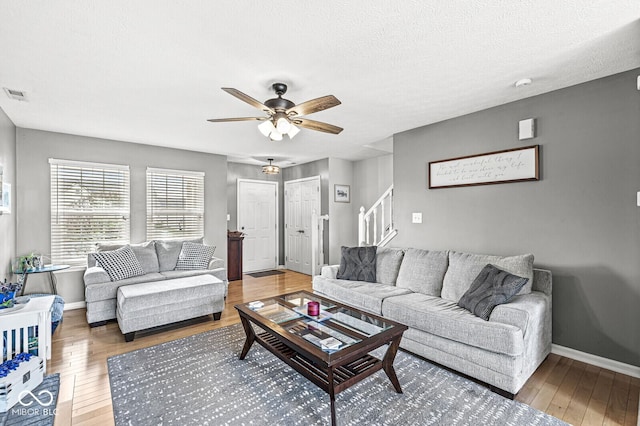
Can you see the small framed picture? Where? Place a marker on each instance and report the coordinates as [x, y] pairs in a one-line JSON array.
[[342, 193]]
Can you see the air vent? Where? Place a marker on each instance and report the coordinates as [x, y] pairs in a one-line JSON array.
[[18, 95]]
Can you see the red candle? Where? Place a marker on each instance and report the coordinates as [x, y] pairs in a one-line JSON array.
[[313, 308]]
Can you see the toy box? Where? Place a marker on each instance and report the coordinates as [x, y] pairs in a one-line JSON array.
[[21, 374]]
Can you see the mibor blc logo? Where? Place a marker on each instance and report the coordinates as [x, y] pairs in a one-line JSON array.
[[44, 398]]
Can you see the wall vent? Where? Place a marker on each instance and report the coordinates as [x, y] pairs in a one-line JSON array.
[[18, 95]]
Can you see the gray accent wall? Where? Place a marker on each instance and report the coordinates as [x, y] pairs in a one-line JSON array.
[[343, 222], [580, 220], [35, 147], [371, 177], [8, 221]]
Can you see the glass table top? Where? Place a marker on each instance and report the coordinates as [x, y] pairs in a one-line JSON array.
[[336, 328]]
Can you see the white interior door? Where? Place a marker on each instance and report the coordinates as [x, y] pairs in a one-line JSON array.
[[258, 219], [302, 197]]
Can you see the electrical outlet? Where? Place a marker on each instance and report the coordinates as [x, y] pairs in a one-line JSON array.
[[228, 217], [416, 217]]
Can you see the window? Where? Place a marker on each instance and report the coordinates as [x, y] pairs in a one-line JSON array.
[[175, 204], [89, 204]]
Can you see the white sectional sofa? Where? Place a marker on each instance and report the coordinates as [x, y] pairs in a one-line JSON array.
[[158, 259], [421, 288]]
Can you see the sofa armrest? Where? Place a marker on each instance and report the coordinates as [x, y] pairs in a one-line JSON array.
[[523, 311], [95, 275], [330, 271], [216, 263], [542, 281]]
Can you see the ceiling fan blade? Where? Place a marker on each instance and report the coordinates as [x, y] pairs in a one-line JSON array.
[[221, 120], [248, 99], [314, 105], [317, 125]]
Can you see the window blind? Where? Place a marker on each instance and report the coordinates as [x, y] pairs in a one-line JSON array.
[[89, 204], [175, 204]]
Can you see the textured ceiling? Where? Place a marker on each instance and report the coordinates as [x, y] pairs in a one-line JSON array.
[[151, 71]]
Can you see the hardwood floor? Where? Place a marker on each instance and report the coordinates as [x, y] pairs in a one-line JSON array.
[[573, 391]]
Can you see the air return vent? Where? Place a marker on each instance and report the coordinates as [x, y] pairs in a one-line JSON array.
[[18, 95]]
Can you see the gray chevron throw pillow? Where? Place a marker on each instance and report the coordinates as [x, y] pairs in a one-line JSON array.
[[358, 264], [492, 287]]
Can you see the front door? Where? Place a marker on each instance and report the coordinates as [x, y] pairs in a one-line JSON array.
[[258, 219], [301, 198]]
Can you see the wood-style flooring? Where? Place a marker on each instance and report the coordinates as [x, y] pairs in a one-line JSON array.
[[573, 391]]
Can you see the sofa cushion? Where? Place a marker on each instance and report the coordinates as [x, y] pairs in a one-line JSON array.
[[492, 287], [359, 294], [422, 271], [358, 264], [388, 261], [145, 253], [194, 256], [446, 319], [109, 290], [119, 264], [169, 250], [465, 267]]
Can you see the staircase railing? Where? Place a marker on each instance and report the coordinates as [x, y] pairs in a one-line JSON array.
[[375, 226]]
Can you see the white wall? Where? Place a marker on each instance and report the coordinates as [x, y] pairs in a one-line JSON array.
[[35, 147]]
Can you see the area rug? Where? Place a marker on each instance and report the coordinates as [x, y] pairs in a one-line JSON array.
[[32, 411], [199, 380], [264, 273]]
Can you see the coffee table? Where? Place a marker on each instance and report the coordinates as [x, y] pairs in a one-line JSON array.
[[294, 337]]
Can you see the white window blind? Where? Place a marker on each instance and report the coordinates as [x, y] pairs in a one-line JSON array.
[[89, 204], [175, 204]]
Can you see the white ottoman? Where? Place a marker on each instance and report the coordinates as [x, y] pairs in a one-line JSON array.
[[147, 305]]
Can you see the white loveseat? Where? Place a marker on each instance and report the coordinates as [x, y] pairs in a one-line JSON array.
[[421, 288], [158, 259]]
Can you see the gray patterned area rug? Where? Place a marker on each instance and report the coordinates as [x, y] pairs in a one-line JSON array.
[[199, 380], [37, 408]]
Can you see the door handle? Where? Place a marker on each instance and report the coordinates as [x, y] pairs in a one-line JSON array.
[[301, 231]]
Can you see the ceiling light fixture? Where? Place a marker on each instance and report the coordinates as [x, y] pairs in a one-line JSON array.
[[271, 169], [278, 126]]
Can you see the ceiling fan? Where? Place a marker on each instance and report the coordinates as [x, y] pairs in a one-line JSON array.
[[283, 115]]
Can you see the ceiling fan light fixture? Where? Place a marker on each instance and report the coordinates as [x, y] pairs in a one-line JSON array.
[[275, 135], [293, 130], [266, 128], [283, 125], [270, 169]]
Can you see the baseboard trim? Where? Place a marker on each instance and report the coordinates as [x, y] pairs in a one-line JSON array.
[[74, 305], [598, 361]]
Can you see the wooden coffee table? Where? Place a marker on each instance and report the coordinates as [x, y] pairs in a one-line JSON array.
[[295, 338]]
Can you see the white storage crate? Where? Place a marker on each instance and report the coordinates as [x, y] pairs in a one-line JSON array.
[[27, 329], [26, 377]]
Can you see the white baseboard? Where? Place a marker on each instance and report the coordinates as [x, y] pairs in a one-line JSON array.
[[74, 305], [598, 361]]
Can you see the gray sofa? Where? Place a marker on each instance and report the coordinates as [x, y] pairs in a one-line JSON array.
[[158, 259], [421, 288]]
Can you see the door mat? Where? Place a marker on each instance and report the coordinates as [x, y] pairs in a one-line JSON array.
[[264, 273]]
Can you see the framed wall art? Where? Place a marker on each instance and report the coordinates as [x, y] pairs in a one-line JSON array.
[[511, 165], [342, 193]]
